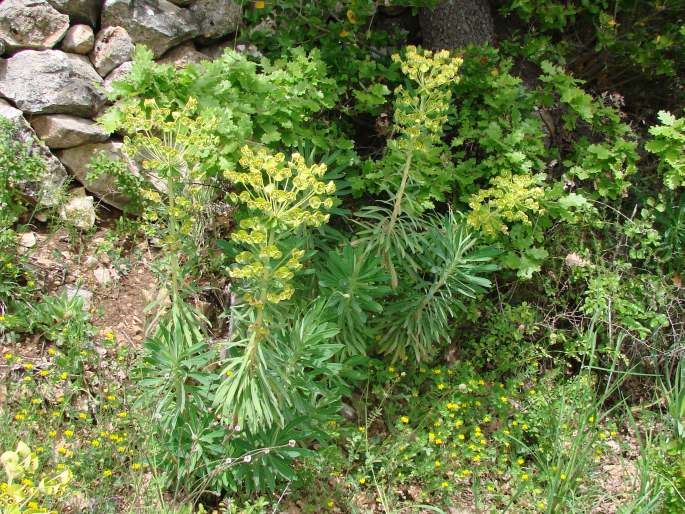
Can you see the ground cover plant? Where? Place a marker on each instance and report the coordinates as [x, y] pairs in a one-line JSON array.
[[358, 275]]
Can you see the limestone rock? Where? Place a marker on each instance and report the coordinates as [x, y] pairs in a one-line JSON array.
[[158, 24], [217, 50], [102, 276], [86, 296], [78, 158], [51, 82], [79, 210], [44, 191], [216, 18], [26, 241], [113, 47], [79, 39], [79, 11], [31, 24], [183, 55], [117, 74], [65, 131], [455, 24]]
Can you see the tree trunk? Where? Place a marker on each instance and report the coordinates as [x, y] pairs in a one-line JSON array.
[[455, 24]]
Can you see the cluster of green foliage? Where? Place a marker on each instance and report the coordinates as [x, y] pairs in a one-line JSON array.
[[17, 166], [618, 43], [478, 286]]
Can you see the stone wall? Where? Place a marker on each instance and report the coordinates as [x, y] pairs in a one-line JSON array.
[[58, 56]]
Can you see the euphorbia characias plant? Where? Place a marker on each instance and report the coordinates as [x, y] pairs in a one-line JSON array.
[[281, 198]]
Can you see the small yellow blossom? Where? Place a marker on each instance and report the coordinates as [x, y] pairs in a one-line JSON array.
[[441, 386], [524, 476], [68, 433], [520, 461], [361, 430], [259, 4], [362, 481], [404, 419], [351, 16], [9, 356], [136, 466], [444, 485], [107, 473]]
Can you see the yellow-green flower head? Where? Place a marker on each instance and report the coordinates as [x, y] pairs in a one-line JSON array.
[[280, 197]]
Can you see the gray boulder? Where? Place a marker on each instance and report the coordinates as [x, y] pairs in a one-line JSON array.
[[51, 82], [79, 210], [79, 11], [64, 131], [216, 18], [31, 24], [455, 24], [79, 40], [113, 47], [117, 74], [44, 191], [183, 55], [158, 24], [78, 158]]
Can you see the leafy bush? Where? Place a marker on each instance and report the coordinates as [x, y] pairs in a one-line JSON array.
[[668, 143], [17, 166]]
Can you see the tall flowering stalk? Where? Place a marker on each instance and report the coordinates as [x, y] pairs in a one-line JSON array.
[[282, 198]]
